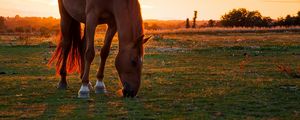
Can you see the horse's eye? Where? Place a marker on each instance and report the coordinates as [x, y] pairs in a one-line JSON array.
[[133, 63]]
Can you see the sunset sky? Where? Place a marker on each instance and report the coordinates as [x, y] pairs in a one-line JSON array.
[[164, 9]]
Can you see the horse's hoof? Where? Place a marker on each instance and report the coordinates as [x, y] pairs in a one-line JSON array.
[[84, 92], [62, 86], [83, 95], [100, 88]]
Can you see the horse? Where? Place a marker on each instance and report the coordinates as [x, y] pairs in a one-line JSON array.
[[75, 52]]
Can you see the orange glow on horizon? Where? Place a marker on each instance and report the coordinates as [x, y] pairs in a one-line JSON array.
[[164, 9]]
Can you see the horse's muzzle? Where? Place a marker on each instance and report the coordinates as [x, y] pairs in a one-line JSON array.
[[128, 91]]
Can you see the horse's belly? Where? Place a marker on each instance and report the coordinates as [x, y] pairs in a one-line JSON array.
[[76, 9]]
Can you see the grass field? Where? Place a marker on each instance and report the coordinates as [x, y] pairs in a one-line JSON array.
[[185, 76]]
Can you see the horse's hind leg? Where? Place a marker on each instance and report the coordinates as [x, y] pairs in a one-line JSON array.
[[111, 31], [66, 46], [82, 52]]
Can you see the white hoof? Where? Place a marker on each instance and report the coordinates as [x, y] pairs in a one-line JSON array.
[[100, 88], [84, 91]]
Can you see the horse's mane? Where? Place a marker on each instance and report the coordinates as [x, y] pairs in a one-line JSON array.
[[136, 17]]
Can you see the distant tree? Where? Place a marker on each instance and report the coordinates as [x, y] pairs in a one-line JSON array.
[[211, 23], [267, 21], [279, 22], [236, 17], [17, 17], [195, 18], [253, 18], [243, 18], [187, 23], [298, 18], [289, 20], [2, 24]]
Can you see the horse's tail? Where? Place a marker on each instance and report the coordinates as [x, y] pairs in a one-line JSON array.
[[73, 46], [74, 55]]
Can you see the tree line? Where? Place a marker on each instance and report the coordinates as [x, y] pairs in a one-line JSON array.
[[35, 25], [244, 18], [235, 18], [43, 26]]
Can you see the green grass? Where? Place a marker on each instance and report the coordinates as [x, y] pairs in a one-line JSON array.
[[185, 76]]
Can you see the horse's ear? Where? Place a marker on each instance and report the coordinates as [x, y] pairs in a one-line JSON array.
[[146, 39], [139, 41]]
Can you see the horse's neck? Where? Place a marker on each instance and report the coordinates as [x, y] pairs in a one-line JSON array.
[[130, 24], [128, 35]]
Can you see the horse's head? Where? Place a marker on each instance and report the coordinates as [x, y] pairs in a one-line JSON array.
[[129, 64]]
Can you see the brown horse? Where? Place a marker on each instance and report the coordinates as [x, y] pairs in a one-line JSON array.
[[76, 53]]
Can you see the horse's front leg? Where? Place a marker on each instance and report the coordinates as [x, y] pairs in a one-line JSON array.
[[111, 31], [91, 25]]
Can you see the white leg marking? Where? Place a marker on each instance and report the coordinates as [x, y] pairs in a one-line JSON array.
[[84, 88], [100, 84], [84, 91], [100, 87]]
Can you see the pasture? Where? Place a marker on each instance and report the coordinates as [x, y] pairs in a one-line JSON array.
[[185, 76]]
